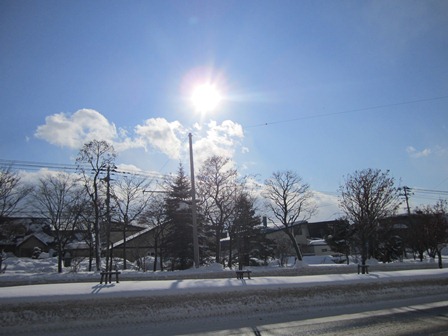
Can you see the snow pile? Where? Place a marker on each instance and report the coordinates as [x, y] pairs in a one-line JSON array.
[[37, 271]]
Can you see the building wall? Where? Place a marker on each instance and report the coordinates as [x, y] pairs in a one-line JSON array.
[[137, 247], [302, 235], [322, 250], [27, 247]]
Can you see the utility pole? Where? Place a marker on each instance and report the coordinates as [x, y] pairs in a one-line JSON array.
[[193, 207], [108, 222], [406, 191], [406, 196]]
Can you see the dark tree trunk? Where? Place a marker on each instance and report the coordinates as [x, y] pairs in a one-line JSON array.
[[439, 256], [229, 263], [295, 245], [60, 256]]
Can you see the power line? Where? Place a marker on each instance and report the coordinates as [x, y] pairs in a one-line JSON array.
[[35, 166], [430, 191], [424, 194], [29, 165], [347, 111]]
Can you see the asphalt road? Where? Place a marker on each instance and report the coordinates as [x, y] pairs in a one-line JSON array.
[[430, 318], [421, 315], [413, 307]]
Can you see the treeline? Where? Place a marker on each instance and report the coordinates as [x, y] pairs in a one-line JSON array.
[[226, 205]]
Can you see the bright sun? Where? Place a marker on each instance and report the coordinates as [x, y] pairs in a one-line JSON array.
[[205, 97]]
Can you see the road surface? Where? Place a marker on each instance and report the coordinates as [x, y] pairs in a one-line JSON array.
[[382, 304], [422, 315]]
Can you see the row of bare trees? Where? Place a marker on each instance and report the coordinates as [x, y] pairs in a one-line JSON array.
[[95, 197], [86, 202], [92, 199], [367, 198]]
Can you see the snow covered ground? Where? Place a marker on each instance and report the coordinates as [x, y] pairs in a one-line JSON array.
[[22, 271], [143, 288], [78, 300]]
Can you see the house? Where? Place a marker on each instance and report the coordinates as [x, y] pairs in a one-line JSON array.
[[79, 244], [27, 246], [20, 235], [309, 236], [318, 247], [138, 245]]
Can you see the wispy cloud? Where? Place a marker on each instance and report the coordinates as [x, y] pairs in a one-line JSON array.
[[416, 154]]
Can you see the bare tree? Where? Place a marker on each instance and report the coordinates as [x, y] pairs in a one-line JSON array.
[[434, 223], [217, 187], [59, 198], [366, 197], [12, 192], [155, 217], [130, 201], [283, 248], [290, 200], [95, 158]]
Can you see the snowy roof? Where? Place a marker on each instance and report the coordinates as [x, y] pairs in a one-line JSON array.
[[43, 237], [280, 227], [77, 245], [317, 242], [135, 235]]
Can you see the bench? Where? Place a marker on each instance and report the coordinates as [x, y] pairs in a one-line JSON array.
[[240, 274], [107, 276], [363, 268]]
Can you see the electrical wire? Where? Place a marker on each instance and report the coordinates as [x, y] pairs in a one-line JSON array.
[[429, 191], [428, 194], [35, 166], [377, 107]]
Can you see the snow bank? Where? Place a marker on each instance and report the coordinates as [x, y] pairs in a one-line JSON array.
[[90, 290]]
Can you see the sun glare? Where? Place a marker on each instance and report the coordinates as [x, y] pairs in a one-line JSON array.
[[206, 97]]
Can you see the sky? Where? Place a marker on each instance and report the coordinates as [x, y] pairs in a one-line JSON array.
[[323, 88]]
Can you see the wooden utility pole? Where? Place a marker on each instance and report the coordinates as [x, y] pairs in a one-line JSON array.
[[108, 222], [193, 207], [406, 196]]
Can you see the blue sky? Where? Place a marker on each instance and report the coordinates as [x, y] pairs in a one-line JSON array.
[[323, 88]]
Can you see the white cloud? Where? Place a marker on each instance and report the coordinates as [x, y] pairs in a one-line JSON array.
[[169, 138], [327, 207], [74, 130], [129, 168], [162, 135], [414, 153], [219, 139], [32, 178], [85, 125]]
